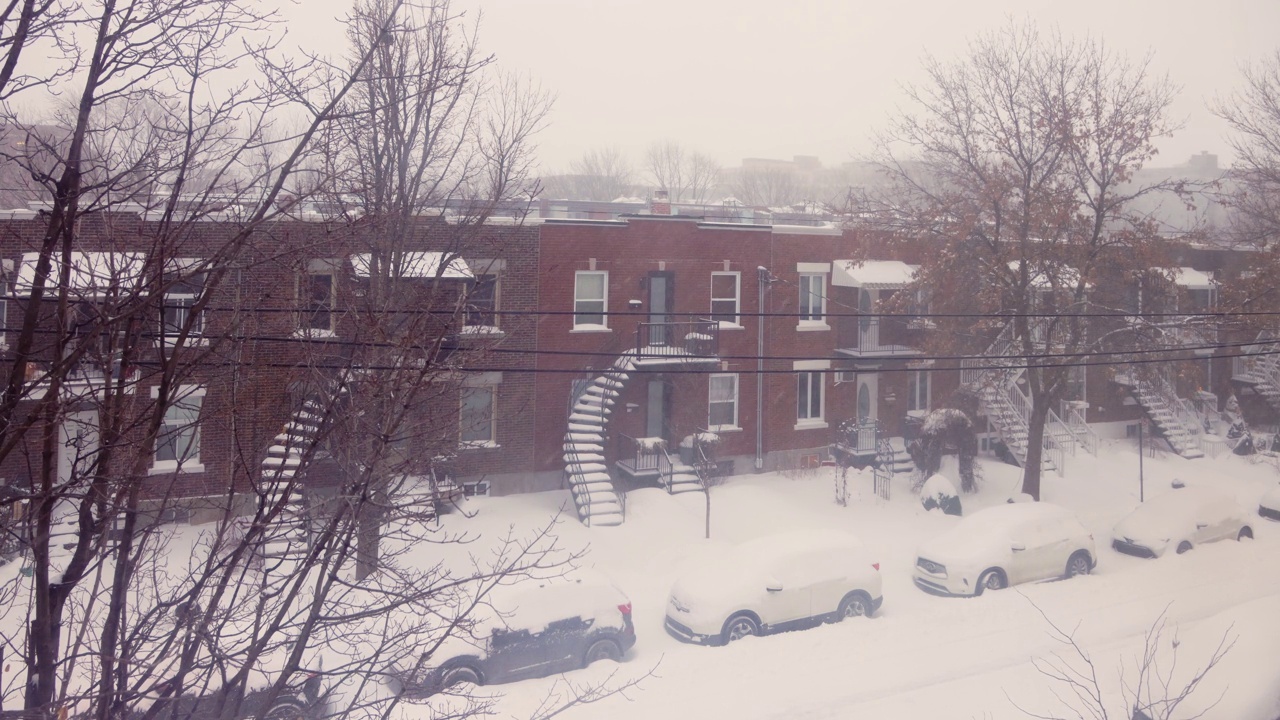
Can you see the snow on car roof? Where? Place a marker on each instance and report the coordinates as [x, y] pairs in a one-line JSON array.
[[989, 530], [533, 608]]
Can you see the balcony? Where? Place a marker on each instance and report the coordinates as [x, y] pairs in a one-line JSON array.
[[677, 342], [883, 337]]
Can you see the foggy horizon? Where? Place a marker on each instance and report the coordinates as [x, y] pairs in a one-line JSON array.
[[755, 80]]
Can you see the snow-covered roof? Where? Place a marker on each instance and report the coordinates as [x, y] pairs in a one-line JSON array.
[[417, 265], [1067, 276], [1193, 279], [92, 273], [872, 274]]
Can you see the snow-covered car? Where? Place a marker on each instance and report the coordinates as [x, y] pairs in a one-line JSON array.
[[1005, 545], [1269, 505], [535, 632], [1181, 519], [771, 584]]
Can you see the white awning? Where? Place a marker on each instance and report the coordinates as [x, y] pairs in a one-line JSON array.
[[872, 274], [417, 265], [1193, 279], [92, 275]]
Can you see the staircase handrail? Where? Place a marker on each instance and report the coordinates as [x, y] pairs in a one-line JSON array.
[[975, 371], [666, 468], [1078, 425], [1052, 441]]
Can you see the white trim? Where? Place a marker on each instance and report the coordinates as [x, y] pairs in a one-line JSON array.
[[812, 326], [604, 300], [737, 293], [811, 268], [818, 424], [821, 294], [736, 399], [811, 365], [192, 463]]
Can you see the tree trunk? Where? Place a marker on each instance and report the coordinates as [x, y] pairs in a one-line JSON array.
[[1031, 470]]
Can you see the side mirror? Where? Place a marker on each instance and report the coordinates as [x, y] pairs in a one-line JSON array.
[[1017, 547]]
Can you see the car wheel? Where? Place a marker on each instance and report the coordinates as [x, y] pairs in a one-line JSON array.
[[602, 650], [1183, 547], [1079, 564], [459, 675], [286, 708], [1245, 532], [738, 627], [992, 579], [855, 604]]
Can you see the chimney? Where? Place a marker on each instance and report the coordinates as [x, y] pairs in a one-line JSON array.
[[660, 204]]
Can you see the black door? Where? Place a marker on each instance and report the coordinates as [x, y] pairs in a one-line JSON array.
[[661, 299]]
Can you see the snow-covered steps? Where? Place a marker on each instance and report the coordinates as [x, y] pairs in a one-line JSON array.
[[594, 496]]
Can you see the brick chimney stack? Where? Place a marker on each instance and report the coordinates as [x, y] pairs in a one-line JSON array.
[[660, 204]]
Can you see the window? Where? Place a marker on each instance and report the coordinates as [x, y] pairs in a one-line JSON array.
[[179, 298], [809, 396], [482, 301], [590, 298], [6, 272], [725, 296], [178, 444], [812, 297], [476, 416], [317, 301], [722, 401], [918, 390]]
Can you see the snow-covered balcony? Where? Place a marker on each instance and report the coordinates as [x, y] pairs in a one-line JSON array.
[[663, 343], [887, 329]]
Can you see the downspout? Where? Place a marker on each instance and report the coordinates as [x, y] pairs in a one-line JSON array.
[[763, 275]]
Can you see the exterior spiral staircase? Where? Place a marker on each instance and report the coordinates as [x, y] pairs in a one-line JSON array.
[[1174, 418], [597, 501], [1008, 408], [287, 538], [1259, 367]]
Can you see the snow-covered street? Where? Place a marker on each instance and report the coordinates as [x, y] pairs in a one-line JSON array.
[[922, 655]]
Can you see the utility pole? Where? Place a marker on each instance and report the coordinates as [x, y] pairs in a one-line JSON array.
[[1141, 479]]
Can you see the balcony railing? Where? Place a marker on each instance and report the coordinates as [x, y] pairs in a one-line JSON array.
[[695, 338], [881, 336]]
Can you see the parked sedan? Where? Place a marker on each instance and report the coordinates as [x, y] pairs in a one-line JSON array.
[[1269, 506], [543, 631], [1179, 520], [1005, 545], [772, 584]]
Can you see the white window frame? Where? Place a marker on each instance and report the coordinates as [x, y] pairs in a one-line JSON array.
[[463, 419], [806, 416], [914, 400], [806, 314], [736, 299], [603, 300], [184, 301], [733, 425], [191, 462]]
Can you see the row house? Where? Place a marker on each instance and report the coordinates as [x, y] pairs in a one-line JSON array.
[[265, 345], [597, 354]]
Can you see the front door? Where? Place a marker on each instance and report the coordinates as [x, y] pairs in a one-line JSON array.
[[868, 327], [867, 387], [656, 410], [661, 293]]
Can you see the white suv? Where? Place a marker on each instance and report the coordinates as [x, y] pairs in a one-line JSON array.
[[772, 584], [1005, 545]]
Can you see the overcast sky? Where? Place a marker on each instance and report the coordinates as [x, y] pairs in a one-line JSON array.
[[763, 78]]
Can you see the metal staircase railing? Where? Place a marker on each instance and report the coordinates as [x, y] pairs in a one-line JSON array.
[[1058, 437], [1079, 427]]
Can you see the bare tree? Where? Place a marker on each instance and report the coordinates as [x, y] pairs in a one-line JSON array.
[[602, 174], [687, 176], [768, 186], [1155, 687], [1253, 114], [1017, 166], [178, 289]]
